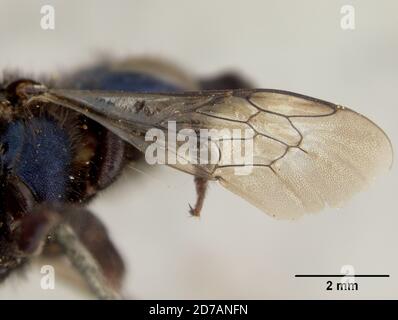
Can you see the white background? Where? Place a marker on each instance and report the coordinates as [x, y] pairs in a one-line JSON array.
[[234, 250]]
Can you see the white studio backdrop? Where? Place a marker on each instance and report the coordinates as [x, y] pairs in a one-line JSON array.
[[233, 250]]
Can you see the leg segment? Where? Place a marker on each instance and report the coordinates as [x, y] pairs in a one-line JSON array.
[[201, 187], [82, 238]]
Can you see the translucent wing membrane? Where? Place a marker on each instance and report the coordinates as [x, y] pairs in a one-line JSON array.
[[305, 153]]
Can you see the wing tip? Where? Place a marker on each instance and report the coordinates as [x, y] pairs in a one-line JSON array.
[[389, 150]]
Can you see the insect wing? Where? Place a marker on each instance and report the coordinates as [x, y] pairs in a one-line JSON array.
[[305, 153]]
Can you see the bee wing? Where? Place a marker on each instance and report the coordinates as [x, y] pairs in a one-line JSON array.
[[306, 153]]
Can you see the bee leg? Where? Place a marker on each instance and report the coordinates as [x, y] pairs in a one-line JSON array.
[[94, 236], [201, 187], [33, 231], [83, 239], [85, 263]]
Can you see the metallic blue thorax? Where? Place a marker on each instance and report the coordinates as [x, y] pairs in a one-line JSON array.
[[39, 152]]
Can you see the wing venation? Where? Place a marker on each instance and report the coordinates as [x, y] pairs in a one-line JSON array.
[[306, 153]]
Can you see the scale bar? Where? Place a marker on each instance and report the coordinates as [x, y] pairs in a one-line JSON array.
[[341, 275]]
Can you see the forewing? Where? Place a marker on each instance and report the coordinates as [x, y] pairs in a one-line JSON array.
[[307, 153], [312, 153]]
